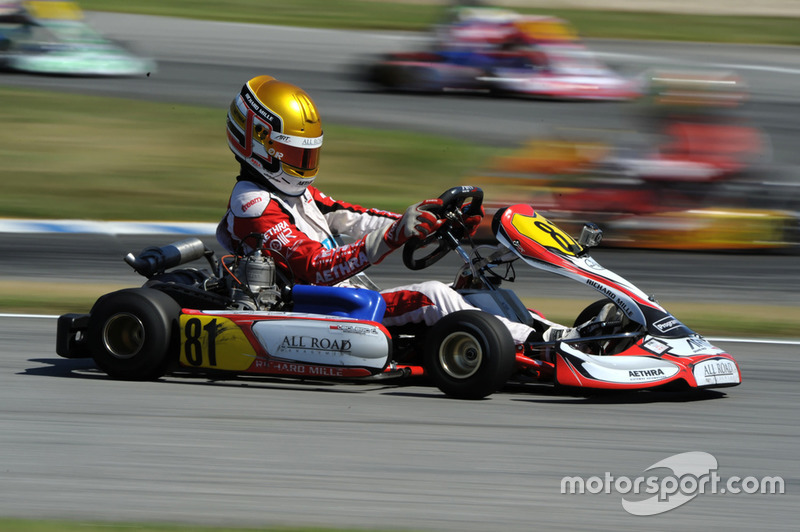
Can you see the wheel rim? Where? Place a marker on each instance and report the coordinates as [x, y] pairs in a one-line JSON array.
[[123, 335], [460, 355]]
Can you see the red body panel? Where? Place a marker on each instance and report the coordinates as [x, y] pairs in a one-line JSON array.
[[570, 373]]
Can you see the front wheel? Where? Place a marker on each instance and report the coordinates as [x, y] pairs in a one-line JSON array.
[[132, 333], [469, 354]]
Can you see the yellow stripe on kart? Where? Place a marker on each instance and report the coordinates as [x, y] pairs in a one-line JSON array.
[[214, 342], [540, 230]]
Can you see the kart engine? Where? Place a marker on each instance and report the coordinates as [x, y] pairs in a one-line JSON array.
[[256, 289], [244, 283]]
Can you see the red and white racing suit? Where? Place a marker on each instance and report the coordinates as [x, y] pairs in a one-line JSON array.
[[300, 231]]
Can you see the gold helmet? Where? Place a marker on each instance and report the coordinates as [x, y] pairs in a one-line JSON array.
[[274, 128]]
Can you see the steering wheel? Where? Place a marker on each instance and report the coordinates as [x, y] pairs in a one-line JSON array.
[[458, 203]]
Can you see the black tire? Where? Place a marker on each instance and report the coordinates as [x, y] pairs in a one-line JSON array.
[[386, 76], [133, 333], [469, 354], [401, 78]]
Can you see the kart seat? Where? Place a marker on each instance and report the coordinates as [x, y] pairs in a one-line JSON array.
[[358, 303]]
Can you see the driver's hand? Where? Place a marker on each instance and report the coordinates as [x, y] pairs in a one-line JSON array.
[[471, 223], [418, 221]]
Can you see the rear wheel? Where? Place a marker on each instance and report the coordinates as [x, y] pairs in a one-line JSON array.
[[132, 333], [469, 354]]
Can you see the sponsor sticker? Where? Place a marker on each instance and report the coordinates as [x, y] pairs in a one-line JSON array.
[[589, 262], [667, 324], [291, 343], [681, 347], [323, 341], [656, 346], [697, 344], [647, 375], [355, 329], [716, 371]]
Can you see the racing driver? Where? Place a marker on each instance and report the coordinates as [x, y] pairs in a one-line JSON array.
[[275, 132]]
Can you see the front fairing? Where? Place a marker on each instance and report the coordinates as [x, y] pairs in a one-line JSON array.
[[651, 362], [662, 352], [542, 245]]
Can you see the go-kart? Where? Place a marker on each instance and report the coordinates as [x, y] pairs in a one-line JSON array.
[[52, 37], [535, 56], [246, 317]]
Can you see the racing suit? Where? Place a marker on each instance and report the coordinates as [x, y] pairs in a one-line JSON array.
[[300, 232]]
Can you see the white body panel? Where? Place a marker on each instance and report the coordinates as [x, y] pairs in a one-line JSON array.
[[328, 342], [622, 369]]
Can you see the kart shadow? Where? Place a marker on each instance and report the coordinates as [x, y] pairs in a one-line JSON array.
[[84, 368], [534, 394], [267, 382]]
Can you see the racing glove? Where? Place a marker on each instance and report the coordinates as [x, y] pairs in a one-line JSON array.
[[418, 221], [471, 223]]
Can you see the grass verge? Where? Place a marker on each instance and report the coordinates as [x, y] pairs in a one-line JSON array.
[[156, 161], [388, 15]]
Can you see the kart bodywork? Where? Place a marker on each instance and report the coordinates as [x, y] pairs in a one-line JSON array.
[[646, 347], [242, 322]]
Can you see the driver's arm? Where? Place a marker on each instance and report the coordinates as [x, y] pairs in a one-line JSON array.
[[311, 262], [384, 231], [350, 219], [419, 220]]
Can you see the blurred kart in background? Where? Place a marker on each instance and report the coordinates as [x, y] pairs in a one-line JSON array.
[[636, 214], [52, 37], [502, 52], [695, 177]]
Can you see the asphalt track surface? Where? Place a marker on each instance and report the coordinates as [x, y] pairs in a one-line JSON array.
[[74, 444]]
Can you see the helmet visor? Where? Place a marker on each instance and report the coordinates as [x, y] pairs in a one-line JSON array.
[[299, 152]]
